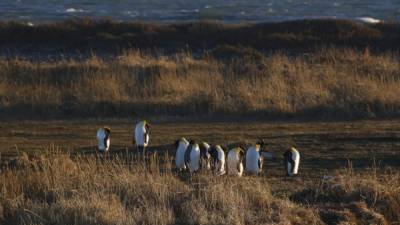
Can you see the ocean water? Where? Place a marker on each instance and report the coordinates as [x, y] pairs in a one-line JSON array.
[[37, 11]]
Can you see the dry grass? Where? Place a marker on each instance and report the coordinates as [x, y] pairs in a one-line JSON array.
[[326, 83], [54, 189], [372, 197]]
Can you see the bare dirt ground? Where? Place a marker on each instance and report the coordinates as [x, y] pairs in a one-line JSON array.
[[323, 145]]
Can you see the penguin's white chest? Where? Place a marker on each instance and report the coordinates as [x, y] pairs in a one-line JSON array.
[[141, 136], [104, 146], [240, 170], [180, 155], [296, 159], [194, 163], [146, 139], [107, 144], [220, 163]]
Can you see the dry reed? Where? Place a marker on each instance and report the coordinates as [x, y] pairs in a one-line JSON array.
[[53, 189], [328, 83]]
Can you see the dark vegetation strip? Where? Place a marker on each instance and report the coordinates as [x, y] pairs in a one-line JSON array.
[[84, 34]]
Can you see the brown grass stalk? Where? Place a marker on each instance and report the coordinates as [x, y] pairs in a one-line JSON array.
[[327, 83]]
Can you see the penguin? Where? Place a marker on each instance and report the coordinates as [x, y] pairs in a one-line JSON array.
[[218, 157], [192, 157], [254, 159], [205, 156], [142, 135], [235, 161], [103, 139], [291, 160], [180, 145]]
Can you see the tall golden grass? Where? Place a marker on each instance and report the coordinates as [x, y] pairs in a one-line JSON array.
[[55, 189], [371, 197], [327, 83]]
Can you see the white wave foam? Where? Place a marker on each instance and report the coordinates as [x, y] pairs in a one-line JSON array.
[[369, 20], [73, 10], [131, 14], [189, 10]]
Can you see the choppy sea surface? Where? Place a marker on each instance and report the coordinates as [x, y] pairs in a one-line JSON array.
[[37, 11]]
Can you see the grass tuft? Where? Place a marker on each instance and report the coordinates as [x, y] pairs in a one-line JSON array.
[[329, 83], [87, 190]]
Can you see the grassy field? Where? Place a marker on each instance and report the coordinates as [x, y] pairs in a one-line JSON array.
[[332, 85], [359, 158], [236, 81]]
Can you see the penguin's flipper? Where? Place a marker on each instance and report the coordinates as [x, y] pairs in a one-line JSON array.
[[187, 155], [291, 161], [105, 142], [144, 138]]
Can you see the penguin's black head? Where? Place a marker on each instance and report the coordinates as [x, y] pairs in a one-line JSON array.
[[261, 143], [213, 152], [241, 152], [107, 130], [192, 142], [204, 151]]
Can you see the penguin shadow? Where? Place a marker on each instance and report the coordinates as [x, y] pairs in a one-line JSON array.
[[199, 180], [184, 175], [123, 149], [157, 158], [273, 167], [93, 150], [161, 149]]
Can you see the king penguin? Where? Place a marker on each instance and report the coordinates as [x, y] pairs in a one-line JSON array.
[[192, 157], [103, 139], [291, 159], [180, 145], [235, 161], [142, 136], [254, 158], [218, 156], [205, 156]]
